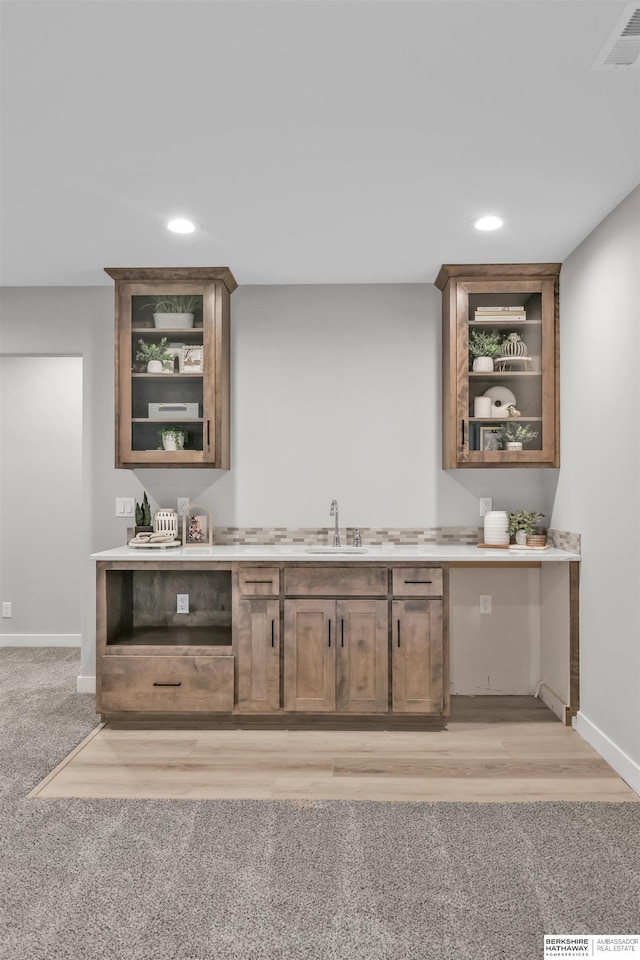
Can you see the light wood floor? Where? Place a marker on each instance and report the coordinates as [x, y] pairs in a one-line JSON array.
[[498, 749]]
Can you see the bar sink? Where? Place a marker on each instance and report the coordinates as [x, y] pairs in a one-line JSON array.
[[326, 548]]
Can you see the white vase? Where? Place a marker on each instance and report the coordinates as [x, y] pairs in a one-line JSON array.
[[169, 443], [483, 365], [154, 366], [514, 445], [521, 537]]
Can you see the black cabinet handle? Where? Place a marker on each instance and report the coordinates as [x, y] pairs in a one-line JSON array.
[[208, 433], [342, 633], [398, 633], [273, 633], [158, 683], [417, 581], [462, 424], [329, 632], [258, 581]]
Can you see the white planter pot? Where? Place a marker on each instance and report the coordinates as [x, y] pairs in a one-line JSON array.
[[169, 443], [483, 365], [514, 445], [154, 366], [166, 321], [521, 537]]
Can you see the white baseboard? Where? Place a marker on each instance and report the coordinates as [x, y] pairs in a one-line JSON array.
[[624, 765], [85, 685], [40, 640], [555, 703]]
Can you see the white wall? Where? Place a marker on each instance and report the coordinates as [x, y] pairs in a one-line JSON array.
[[335, 393], [41, 544], [599, 486]]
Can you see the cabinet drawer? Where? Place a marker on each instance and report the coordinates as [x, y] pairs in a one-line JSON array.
[[417, 581], [332, 582], [167, 684], [259, 581]]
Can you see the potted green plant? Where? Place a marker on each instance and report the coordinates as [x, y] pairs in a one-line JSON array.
[[177, 312], [514, 435], [522, 524], [484, 348], [143, 516], [155, 355], [173, 438]]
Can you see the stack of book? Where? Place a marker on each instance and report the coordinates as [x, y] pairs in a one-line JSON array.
[[491, 314]]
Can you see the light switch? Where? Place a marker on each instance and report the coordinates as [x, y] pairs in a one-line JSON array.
[[124, 506]]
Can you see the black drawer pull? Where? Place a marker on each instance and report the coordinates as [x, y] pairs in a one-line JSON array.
[[329, 632], [258, 581], [398, 633], [158, 683], [273, 633], [418, 581], [342, 633], [462, 423]]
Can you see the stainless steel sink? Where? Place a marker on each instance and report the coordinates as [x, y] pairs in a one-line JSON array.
[[325, 548]]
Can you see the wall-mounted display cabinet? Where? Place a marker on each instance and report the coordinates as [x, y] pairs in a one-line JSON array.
[[172, 366], [500, 375]]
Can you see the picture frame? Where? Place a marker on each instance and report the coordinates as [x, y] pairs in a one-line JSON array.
[[490, 438], [197, 529], [191, 358]]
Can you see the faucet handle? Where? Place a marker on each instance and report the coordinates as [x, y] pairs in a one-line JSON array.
[[357, 540]]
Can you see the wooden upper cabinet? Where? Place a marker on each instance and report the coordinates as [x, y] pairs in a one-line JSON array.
[[517, 304], [190, 309]]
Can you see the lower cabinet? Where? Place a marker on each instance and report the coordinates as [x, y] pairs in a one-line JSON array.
[[336, 656], [417, 656], [256, 644]]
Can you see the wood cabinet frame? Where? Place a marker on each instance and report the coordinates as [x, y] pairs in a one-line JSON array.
[[215, 285], [457, 283]]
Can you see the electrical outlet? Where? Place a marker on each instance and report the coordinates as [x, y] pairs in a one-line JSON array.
[[125, 506], [182, 604], [485, 603], [6, 608], [183, 503], [486, 505]]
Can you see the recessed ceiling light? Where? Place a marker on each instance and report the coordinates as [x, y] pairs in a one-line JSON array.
[[488, 223], [181, 226]]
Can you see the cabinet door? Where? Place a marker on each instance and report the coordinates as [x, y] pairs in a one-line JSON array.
[[310, 655], [256, 638], [417, 654], [501, 409], [188, 310], [362, 656]]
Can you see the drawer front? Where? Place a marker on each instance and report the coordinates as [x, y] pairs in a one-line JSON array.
[[332, 582], [417, 581], [259, 581], [167, 684]]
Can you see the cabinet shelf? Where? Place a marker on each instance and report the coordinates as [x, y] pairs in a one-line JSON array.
[[501, 420], [505, 323], [498, 375], [163, 423], [212, 636], [166, 376], [163, 331]]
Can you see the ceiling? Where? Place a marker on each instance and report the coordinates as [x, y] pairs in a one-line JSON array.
[[312, 141]]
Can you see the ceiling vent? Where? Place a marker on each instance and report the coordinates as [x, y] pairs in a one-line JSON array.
[[621, 50]]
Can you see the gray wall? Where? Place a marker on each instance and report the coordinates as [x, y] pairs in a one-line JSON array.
[[41, 437], [599, 486], [335, 393]]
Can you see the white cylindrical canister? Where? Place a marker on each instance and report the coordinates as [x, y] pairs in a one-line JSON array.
[[496, 527], [482, 407]]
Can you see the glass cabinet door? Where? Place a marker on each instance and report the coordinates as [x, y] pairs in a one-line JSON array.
[[501, 341], [172, 367]]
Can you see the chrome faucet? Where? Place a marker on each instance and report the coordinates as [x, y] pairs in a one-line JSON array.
[[334, 513]]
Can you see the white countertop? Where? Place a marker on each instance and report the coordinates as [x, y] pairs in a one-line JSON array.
[[387, 553]]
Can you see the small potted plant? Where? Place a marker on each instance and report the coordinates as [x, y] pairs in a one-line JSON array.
[[514, 435], [484, 347], [155, 355], [143, 516], [522, 524], [173, 438], [177, 312]]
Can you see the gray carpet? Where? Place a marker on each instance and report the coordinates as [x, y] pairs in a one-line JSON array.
[[242, 880]]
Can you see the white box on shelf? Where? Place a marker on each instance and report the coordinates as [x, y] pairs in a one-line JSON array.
[[173, 411]]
